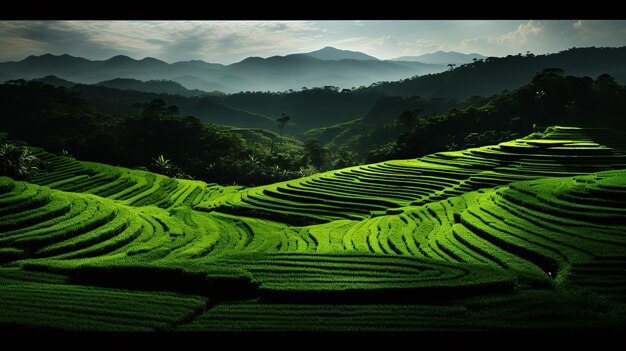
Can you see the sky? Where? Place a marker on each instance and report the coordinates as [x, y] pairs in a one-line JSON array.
[[231, 41]]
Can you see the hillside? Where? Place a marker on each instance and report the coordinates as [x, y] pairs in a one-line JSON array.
[[151, 86], [362, 191], [494, 75], [524, 234], [206, 108], [311, 108]]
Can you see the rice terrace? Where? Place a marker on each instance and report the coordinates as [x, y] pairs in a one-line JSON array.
[[516, 222]]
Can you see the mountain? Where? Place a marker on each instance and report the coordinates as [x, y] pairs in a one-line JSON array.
[[280, 73], [206, 108], [494, 74], [151, 86], [277, 73], [443, 58], [55, 81], [331, 53]]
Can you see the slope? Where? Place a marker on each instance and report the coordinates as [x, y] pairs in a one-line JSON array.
[[363, 191], [493, 75], [547, 249]]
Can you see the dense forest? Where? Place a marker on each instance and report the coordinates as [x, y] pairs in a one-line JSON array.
[[62, 120], [550, 98]]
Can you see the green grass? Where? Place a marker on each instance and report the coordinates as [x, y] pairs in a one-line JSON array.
[[514, 226], [355, 192], [70, 307], [126, 186]]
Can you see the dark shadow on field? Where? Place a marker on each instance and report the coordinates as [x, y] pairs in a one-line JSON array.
[[429, 295], [150, 278]]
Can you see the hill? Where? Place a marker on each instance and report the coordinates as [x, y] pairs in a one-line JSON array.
[[494, 75], [404, 127], [55, 81], [360, 192], [331, 53], [206, 108], [151, 86], [276, 73], [280, 73], [524, 234]]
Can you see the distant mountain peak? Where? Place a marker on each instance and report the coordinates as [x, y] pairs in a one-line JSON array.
[[331, 49], [49, 56], [49, 61], [121, 58], [331, 53], [152, 60]]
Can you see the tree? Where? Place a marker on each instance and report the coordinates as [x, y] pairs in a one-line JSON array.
[[553, 72], [282, 123], [315, 153], [17, 161], [344, 157], [573, 109], [162, 165], [451, 66], [606, 85], [409, 119], [158, 108]]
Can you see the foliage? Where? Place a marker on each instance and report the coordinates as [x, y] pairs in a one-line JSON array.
[[315, 153], [17, 161], [282, 123], [551, 98], [58, 121]]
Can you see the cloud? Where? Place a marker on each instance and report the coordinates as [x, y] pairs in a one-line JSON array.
[[518, 37], [169, 40], [232, 41], [521, 38], [88, 38], [600, 33], [549, 36]]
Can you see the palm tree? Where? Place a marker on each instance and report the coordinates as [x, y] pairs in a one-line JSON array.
[[282, 123], [17, 161], [162, 165]]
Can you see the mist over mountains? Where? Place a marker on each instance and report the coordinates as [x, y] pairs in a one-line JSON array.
[[324, 67], [311, 107], [443, 58]]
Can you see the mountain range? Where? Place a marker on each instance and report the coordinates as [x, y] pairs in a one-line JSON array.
[[494, 74], [325, 67], [331, 53], [316, 108]]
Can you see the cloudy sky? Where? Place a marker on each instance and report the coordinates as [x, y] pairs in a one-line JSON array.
[[231, 41]]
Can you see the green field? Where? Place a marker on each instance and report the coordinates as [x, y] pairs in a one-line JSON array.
[[526, 234]]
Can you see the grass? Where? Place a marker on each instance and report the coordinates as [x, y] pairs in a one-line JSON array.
[[355, 192], [71, 307], [454, 240]]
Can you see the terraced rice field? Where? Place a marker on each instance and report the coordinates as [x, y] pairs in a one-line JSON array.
[[126, 186], [528, 233], [357, 192]]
